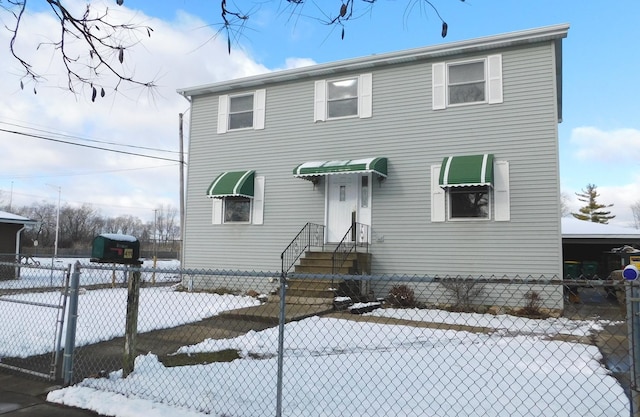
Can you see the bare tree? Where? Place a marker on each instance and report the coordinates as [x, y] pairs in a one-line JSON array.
[[635, 209], [565, 211], [92, 45], [101, 41]]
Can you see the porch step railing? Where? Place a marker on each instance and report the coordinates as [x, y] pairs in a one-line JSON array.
[[356, 236], [311, 235]]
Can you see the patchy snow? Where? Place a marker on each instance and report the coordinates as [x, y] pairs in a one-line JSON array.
[[502, 323], [160, 308], [34, 277], [342, 367]]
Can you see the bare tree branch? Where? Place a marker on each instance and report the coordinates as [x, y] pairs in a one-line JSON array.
[[99, 37], [104, 43]]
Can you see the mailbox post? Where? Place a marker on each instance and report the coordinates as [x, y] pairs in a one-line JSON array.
[[125, 250]]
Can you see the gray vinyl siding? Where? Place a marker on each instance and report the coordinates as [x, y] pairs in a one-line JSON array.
[[404, 128]]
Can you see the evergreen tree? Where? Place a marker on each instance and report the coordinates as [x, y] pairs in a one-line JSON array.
[[592, 211]]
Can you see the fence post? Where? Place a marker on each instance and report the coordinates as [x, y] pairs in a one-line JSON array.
[[72, 319], [633, 326], [281, 322], [131, 327]]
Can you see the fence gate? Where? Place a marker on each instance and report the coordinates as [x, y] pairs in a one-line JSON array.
[[33, 299]]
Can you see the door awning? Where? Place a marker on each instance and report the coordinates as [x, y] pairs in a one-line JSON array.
[[317, 168], [466, 171], [232, 184]]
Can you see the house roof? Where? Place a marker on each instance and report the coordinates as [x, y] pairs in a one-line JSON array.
[[544, 34], [573, 228], [6, 217]]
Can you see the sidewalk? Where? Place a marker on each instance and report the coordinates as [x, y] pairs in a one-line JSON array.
[[22, 396]]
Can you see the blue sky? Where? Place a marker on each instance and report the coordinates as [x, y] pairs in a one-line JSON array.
[[599, 136]]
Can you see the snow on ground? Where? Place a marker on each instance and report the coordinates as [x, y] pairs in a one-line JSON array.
[[502, 322], [335, 367], [102, 315], [342, 367], [332, 367], [43, 276]]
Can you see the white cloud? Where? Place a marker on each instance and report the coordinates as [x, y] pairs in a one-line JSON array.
[[181, 53], [593, 144]]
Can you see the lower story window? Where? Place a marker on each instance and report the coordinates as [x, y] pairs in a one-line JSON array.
[[469, 202], [237, 210]]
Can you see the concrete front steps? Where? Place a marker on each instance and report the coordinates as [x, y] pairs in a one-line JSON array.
[[317, 291]]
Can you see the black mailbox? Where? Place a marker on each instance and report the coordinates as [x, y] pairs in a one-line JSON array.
[[116, 248]]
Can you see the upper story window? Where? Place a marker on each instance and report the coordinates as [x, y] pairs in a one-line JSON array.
[[346, 97], [241, 111], [342, 98], [467, 82]]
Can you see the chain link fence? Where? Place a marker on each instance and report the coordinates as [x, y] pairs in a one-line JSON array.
[[211, 342]]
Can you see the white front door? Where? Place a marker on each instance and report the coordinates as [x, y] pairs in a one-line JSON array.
[[348, 199]]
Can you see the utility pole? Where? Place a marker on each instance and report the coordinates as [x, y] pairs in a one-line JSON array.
[[55, 245], [181, 136], [155, 233]]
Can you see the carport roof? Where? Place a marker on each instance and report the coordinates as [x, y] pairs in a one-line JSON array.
[[573, 228], [6, 217]]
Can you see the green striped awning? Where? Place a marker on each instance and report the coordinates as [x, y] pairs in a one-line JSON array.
[[465, 171], [317, 168], [232, 184]]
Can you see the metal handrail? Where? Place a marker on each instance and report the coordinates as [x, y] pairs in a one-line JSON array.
[[310, 235], [359, 234]]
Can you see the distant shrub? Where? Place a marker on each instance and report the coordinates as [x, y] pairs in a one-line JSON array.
[[401, 296], [463, 291], [532, 304]]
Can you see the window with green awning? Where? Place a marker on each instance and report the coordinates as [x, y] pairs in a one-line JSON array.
[[232, 184], [466, 171]]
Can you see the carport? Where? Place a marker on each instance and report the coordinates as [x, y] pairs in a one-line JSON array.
[[11, 227], [589, 247]]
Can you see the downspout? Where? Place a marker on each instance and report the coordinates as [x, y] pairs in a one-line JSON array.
[[17, 269]]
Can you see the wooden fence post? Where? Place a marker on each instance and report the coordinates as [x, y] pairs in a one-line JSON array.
[[133, 298]]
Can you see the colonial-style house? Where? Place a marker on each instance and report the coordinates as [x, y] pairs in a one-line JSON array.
[[439, 161]]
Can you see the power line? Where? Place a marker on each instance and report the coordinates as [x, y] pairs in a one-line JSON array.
[[64, 135], [74, 174], [86, 146]]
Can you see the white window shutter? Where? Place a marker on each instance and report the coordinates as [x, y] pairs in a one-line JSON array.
[[365, 95], [501, 193], [320, 101], [259, 102], [437, 196], [439, 86], [223, 113], [494, 69], [258, 201], [216, 217]]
